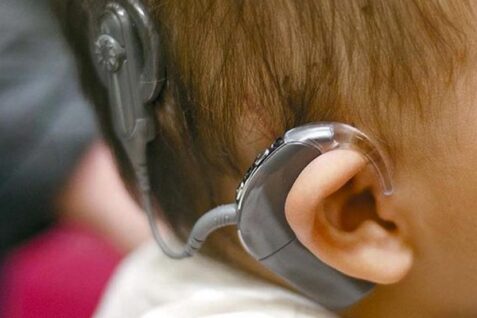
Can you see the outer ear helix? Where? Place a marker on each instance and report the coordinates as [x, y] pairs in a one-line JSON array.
[[370, 251]]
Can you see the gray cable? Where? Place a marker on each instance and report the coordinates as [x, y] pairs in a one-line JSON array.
[[214, 219]]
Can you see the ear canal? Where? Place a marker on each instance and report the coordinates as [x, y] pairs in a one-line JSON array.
[[333, 211]]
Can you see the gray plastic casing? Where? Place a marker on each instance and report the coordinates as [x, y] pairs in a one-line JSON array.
[[265, 232], [127, 55]]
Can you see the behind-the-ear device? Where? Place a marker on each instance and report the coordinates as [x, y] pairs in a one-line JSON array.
[[127, 56], [126, 49]]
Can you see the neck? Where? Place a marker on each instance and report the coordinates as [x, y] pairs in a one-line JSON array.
[[387, 302], [416, 296]]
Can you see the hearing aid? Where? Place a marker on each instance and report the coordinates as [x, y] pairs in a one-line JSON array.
[[126, 50]]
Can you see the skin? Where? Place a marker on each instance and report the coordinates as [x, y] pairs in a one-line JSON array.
[[419, 244], [96, 197]]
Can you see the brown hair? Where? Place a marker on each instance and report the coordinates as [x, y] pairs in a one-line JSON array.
[[240, 66]]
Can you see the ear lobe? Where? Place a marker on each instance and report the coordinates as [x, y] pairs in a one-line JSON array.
[[341, 221]]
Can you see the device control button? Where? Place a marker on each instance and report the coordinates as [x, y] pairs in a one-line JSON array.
[[239, 191], [277, 143], [261, 157], [249, 172], [109, 53]]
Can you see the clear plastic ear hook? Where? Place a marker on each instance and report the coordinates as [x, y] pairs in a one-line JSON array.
[[328, 136], [357, 140]]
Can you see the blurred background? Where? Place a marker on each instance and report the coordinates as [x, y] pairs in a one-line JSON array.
[[65, 218]]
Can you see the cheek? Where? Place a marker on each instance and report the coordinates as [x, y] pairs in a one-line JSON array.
[[453, 202], [440, 200], [450, 206], [451, 218]]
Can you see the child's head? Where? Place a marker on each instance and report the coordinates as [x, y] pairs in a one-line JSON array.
[[240, 73]]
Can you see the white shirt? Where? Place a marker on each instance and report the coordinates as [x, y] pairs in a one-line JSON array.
[[150, 285]]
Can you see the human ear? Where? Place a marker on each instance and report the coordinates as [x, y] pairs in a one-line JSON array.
[[336, 210]]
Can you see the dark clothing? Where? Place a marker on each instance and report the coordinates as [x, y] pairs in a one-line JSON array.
[[45, 123]]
